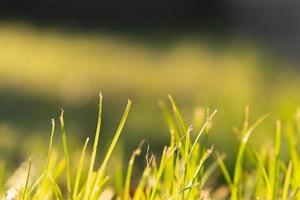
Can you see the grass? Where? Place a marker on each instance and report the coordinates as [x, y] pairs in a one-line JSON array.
[[186, 169], [227, 74]]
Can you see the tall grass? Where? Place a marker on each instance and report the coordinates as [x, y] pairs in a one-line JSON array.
[[185, 169]]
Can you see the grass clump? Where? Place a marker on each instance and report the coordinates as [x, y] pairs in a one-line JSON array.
[[184, 170]]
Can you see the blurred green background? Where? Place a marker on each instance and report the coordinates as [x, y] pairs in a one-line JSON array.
[[46, 67]]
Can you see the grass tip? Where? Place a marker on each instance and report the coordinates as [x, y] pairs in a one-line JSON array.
[[215, 111], [62, 114], [129, 101], [210, 150]]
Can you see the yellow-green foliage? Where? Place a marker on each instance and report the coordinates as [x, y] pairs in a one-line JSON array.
[[182, 171]]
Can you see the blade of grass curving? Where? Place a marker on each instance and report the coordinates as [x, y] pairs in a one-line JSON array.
[[44, 184], [50, 145], [178, 116], [101, 170], [95, 146], [169, 120], [79, 170], [129, 171], [66, 154]]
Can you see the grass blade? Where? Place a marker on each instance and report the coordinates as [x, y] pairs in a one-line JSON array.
[[50, 145], [129, 172], [101, 170], [94, 152], [79, 170], [66, 154], [178, 116]]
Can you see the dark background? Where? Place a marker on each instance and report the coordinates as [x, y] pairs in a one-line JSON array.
[[276, 23]]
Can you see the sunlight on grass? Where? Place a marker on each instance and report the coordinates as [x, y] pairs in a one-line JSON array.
[[181, 172]]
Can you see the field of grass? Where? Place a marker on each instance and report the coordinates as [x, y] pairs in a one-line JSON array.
[[45, 68], [186, 168]]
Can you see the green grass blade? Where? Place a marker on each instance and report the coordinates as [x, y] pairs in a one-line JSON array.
[[101, 170], [79, 170], [66, 154], [129, 172], [50, 145], [178, 116], [94, 152], [169, 120]]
